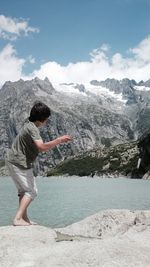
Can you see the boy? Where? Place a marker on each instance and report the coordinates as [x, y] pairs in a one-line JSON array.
[[25, 148]]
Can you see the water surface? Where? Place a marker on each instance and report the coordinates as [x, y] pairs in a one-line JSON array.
[[64, 200]]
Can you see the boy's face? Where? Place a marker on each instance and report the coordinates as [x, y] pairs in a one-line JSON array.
[[45, 122]]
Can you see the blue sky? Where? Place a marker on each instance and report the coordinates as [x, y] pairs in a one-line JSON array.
[[67, 32]]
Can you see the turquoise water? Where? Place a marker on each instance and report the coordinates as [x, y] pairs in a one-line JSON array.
[[64, 200]]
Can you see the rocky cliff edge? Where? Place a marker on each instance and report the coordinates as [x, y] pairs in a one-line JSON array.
[[109, 238]]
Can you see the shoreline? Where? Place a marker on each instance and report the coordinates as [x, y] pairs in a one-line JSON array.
[[109, 176]]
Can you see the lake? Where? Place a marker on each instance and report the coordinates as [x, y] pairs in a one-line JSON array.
[[64, 200]]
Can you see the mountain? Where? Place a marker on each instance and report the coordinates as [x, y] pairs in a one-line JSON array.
[[96, 114]]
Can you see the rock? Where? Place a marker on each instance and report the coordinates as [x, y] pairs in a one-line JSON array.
[[147, 175], [108, 238], [106, 167], [108, 223], [24, 246]]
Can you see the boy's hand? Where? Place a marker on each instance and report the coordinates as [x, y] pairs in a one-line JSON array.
[[64, 139]]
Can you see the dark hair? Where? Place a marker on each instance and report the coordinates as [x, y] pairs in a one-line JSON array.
[[39, 112]]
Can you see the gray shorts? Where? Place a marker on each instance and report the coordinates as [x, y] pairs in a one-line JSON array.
[[24, 180]]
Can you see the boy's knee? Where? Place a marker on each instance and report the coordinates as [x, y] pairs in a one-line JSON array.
[[32, 194]]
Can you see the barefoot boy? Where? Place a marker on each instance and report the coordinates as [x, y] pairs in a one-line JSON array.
[[23, 153]]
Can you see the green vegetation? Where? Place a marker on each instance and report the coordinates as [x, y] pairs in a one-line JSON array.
[[2, 163], [121, 159], [81, 167]]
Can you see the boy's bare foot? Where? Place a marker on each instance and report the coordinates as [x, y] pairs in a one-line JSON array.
[[26, 219], [20, 222]]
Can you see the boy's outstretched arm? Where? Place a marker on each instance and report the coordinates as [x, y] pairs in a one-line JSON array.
[[48, 145]]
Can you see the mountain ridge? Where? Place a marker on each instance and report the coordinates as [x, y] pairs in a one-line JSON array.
[[94, 120]]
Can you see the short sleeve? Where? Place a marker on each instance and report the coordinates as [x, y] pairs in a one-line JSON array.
[[35, 133]]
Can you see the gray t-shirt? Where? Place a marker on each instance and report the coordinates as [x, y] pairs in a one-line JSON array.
[[24, 151]]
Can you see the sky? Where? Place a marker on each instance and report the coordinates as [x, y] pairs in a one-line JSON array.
[[74, 40]]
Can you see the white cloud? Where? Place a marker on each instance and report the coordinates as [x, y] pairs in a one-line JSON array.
[[135, 65], [11, 65], [12, 28], [142, 51]]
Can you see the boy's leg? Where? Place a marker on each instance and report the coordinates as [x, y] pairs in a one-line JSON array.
[[19, 218], [25, 214], [27, 189]]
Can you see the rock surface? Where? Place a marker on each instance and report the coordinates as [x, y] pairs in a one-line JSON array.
[[110, 238]]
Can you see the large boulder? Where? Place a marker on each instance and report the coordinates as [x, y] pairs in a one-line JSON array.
[[110, 238]]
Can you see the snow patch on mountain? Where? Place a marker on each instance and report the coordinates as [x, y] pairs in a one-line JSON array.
[[104, 92], [69, 88], [86, 88], [141, 88]]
